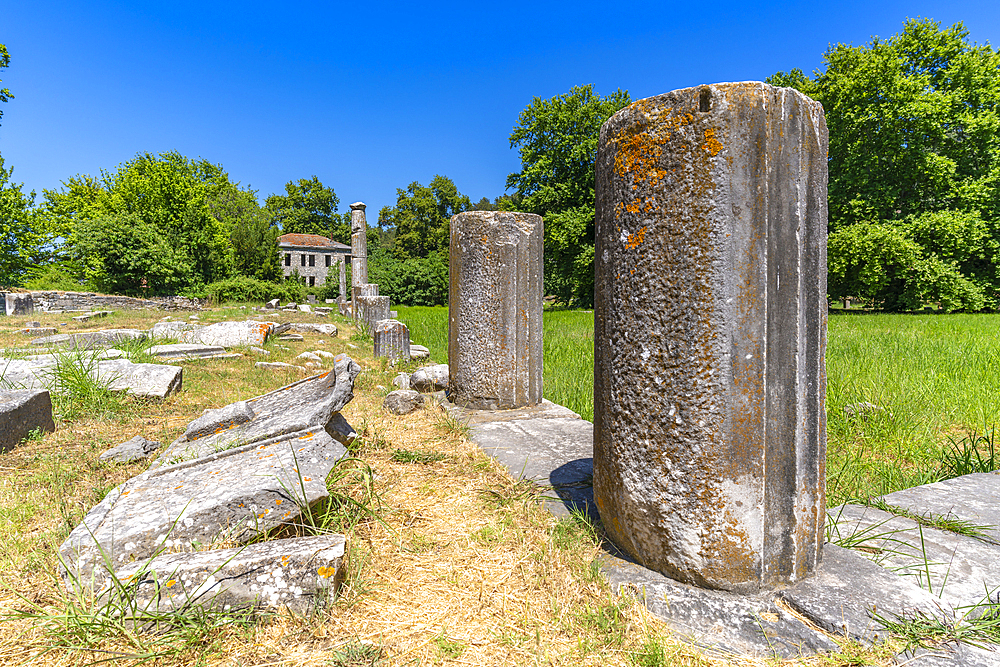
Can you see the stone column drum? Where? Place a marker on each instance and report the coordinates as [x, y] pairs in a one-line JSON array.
[[495, 310], [343, 279], [710, 334], [392, 340], [359, 244], [371, 310]]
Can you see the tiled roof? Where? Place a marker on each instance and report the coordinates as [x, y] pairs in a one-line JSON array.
[[309, 241]]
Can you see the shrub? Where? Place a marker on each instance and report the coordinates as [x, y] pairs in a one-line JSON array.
[[244, 289]]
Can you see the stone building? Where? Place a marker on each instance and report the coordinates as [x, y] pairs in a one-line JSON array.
[[312, 256]]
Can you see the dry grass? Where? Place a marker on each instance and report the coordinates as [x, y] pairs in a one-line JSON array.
[[463, 568]]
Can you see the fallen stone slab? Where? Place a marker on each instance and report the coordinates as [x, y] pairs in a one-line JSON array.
[[22, 412], [229, 334], [36, 332], [430, 378], [277, 366], [403, 401], [971, 498], [259, 350], [419, 352], [136, 449], [93, 315], [189, 351], [291, 337], [273, 303], [89, 340], [170, 329], [305, 308], [155, 381], [309, 356], [306, 327], [300, 574], [960, 568]]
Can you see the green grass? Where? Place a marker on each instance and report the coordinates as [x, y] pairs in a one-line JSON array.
[[931, 376]]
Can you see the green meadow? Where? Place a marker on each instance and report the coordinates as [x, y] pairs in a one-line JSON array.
[[932, 380]]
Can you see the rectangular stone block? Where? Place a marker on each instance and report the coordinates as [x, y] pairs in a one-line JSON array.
[[392, 340], [19, 303], [21, 412], [710, 334], [371, 310]]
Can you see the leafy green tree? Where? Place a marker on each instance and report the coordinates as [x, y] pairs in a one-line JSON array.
[[913, 124], [557, 141], [169, 194], [22, 232], [309, 207], [253, 233], [4, 63], [421, 217]]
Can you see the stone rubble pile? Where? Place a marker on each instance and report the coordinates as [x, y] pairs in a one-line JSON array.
[[236, 473]]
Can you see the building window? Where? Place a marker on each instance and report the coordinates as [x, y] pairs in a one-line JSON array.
[[288, 259], [312, 260], [312, 281], [327, 261], [303, 260]]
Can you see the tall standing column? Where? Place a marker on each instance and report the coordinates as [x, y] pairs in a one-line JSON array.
[[710, 334], [343, 279], [359, 244], [495, 310]]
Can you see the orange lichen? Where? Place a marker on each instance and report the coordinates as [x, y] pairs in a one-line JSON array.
[[711, 144], [171, 583], [327, 572], [635, 239]]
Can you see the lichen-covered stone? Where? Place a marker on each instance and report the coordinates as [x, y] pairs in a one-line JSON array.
[[89, 340], [131, 450], [392, 340], [430, 378], [710, 332], [230, 485], [222, 419], [495, 309], [22, 412], [230, 334], [403, 401], [155, 381], [300, 574], [371, 310], [189, 351]]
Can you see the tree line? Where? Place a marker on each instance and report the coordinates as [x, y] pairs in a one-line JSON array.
[[914, 165]]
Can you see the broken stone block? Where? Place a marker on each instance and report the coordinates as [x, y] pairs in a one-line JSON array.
[[299, 574], [392, 340], [309, 356], [291, 337], [22, 412], [325, 329], [419, 352], [153, 381], [273, 303], [403, 401], [277, 366], [35, 332], [710, 332], [132, 450], [89, 340], [230, 334], [402, 380], [372, 309], [190, 351], [430, 378], [305, 308], [231, 485], [170, 329], [216, 421], [19, 303], [259, 350], [495, 309]]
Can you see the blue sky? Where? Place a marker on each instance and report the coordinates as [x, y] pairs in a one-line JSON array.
[[372, 96]]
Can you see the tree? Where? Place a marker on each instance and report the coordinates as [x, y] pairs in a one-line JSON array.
[[309, 207], [4, 63], [22, 232], [169, 195], [557, 141], [253, 234], [421, 217], [913, 124]]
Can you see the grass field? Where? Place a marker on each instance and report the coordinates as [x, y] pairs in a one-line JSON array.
[[932, 377]]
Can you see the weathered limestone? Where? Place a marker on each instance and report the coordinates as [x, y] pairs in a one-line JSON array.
[[131, 450], [371, 310], [89, 340], [392, 340], [495, 309], [189, 351], [430, 378], [19, 303], [230, 334], [231, 480], [710, 332], [325, 329], [359, 244], [419, 352], [299, 573], [154, 381], [37, 331], [343, 281], [403, 401], [21, 412]]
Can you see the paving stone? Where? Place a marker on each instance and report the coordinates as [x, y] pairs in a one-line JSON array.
[[841, 596], [971, 498], [21, 412], [131, 450], [961, 568]]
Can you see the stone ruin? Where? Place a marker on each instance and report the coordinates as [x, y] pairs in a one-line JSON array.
[[711, 293], [236, 474]]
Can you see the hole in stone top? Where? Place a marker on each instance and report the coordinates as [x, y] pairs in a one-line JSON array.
[[705, 101]]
